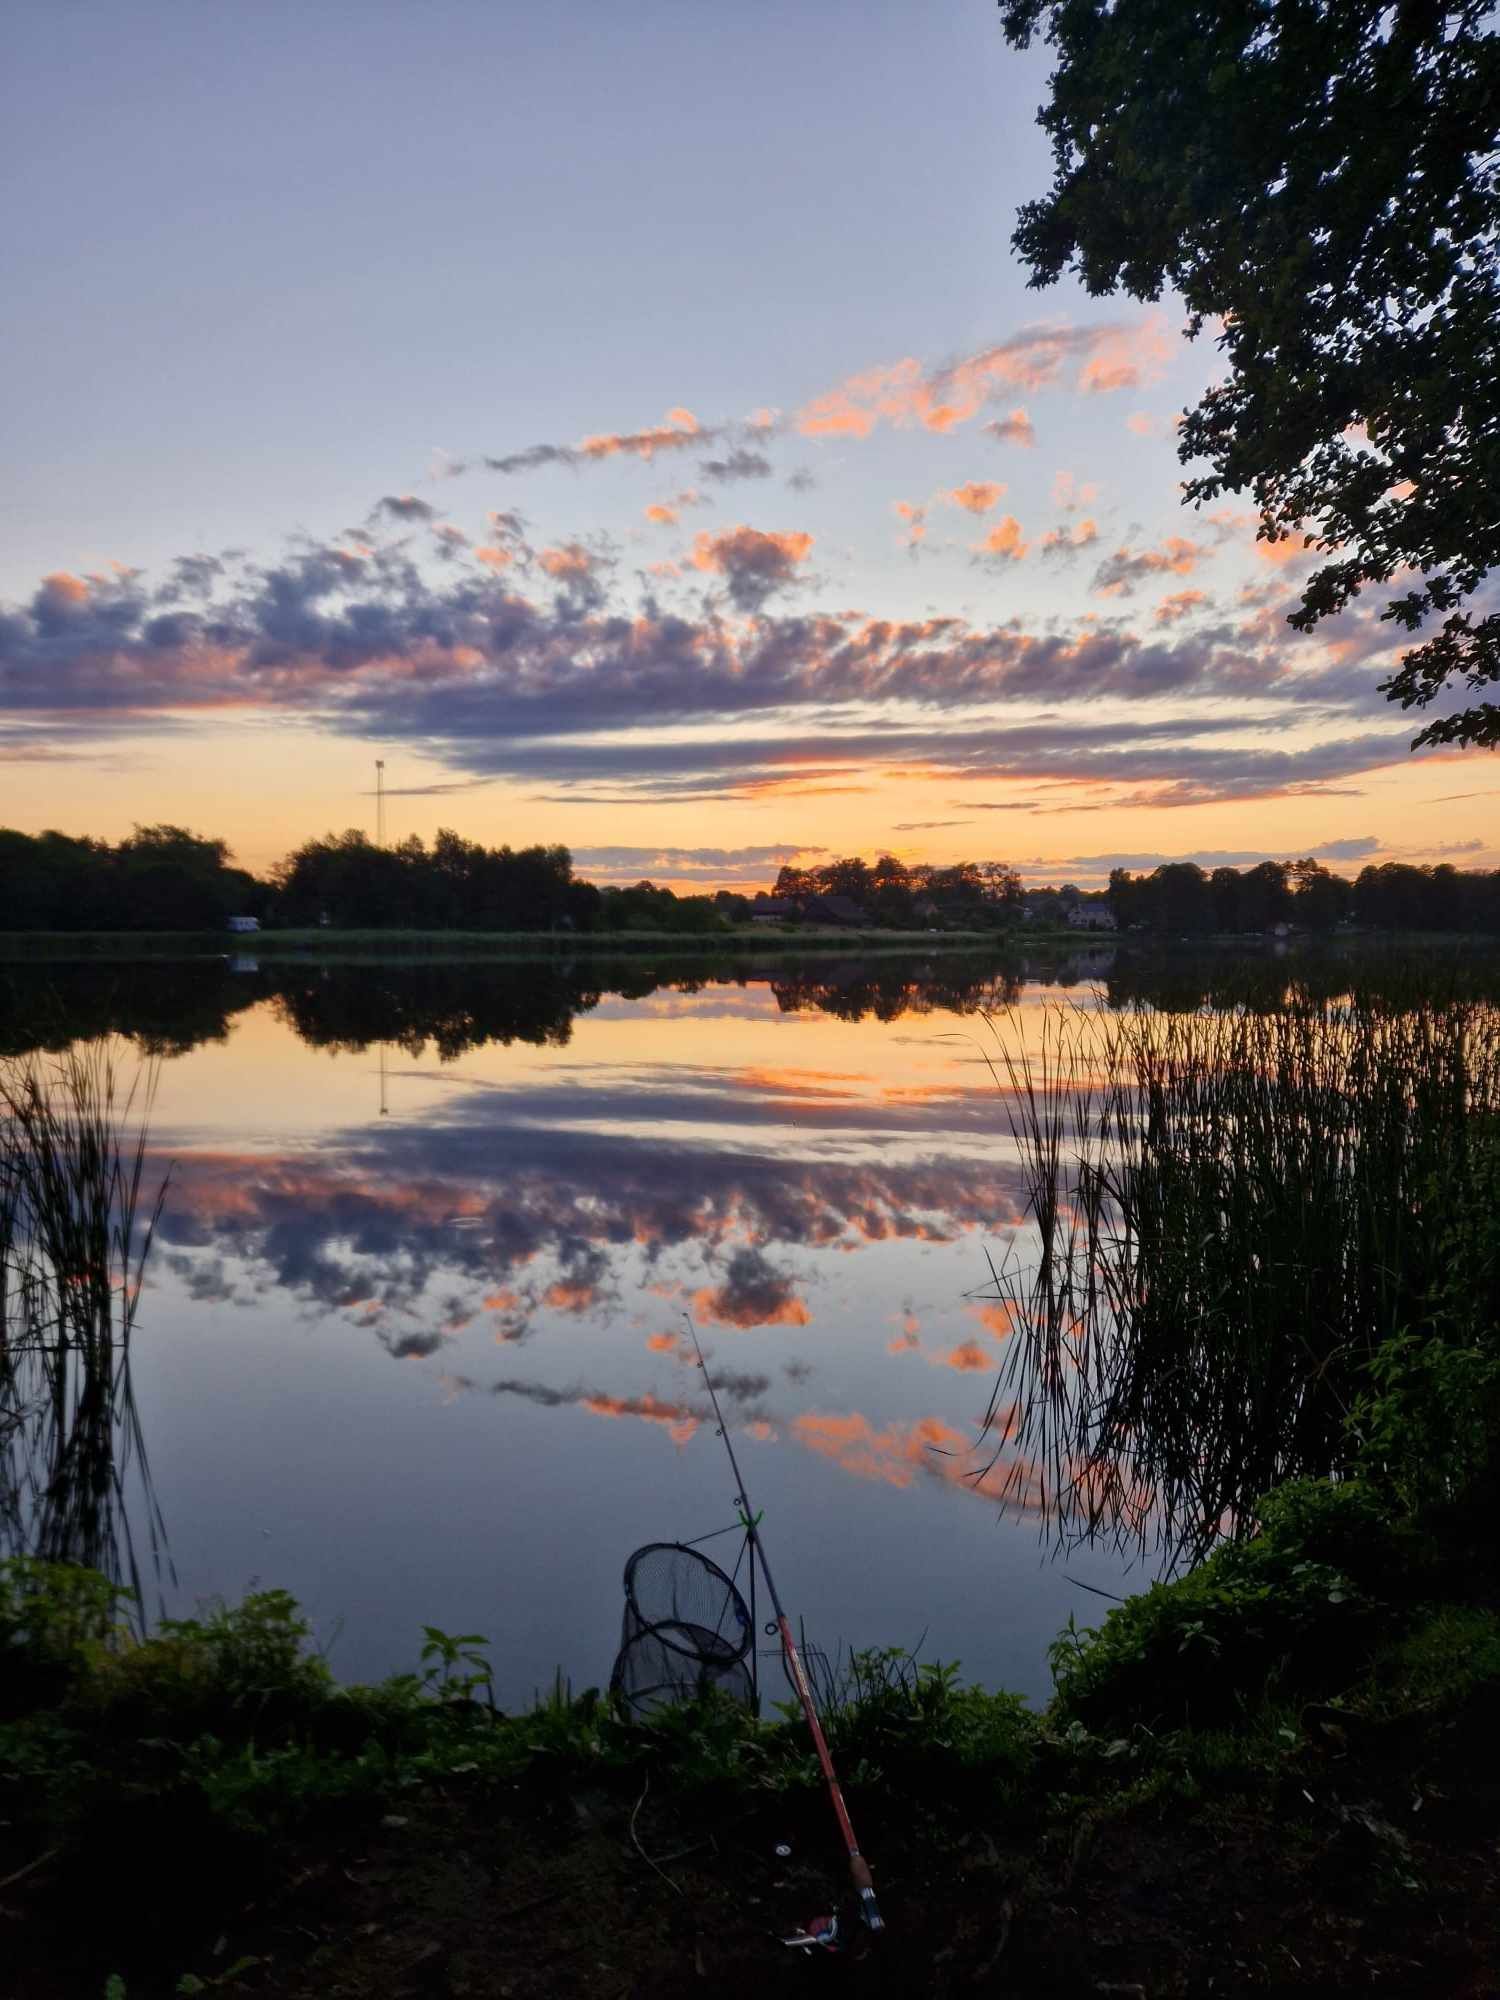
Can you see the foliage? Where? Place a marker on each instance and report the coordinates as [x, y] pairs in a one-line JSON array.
[[159, 878], [74, 1239], [1238, 1214], [1292, 1604], [888, 891], [347, 880], [1322, 181]]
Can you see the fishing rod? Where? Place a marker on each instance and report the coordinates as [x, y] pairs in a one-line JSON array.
[[859, 1868]]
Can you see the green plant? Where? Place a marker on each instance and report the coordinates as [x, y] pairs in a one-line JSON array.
[[1251, 1223], [445, 1654], [1298, 1601]]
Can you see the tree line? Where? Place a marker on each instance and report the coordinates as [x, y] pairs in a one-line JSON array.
[[1183, 898], [165, 878], [888, 891]]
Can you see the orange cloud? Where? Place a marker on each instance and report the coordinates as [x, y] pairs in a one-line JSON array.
[[61, 588], [896, 1454], [915, 517], [1065, 538], [681, 428], [662, 515], [567, 1295], [663, 1343], [1068, 494], [977, 497], [893, 1455], [1005, 540], [1126, 360], [904, 393], [1121, 571], [967, 1358], [1178, 605], [1292, 548], [996, 1319], [1140, 423], [721, 1308], [908, 1340], [1016, 428], [570, 561], [494, 558], [681, 1423]]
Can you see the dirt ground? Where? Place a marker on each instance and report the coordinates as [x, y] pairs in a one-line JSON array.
[[1374, 1868]]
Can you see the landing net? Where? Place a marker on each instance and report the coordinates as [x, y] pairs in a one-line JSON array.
[[686, 1629]]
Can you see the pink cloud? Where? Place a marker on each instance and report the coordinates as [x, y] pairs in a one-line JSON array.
[[904, 393]]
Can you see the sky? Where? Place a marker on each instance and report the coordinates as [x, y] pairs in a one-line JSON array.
[[633, 426]]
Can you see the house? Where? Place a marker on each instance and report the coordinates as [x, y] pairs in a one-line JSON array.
[[1091, 917], [833, 910], [773, 909], [243, 924]]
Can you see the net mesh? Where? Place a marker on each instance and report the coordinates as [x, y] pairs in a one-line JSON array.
[[686, 1629]]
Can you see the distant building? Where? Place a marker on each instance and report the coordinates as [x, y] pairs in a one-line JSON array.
[[1091, 917], [243, 924], [833, 910], [773, 909]]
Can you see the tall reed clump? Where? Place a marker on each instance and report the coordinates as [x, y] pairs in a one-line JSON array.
[[75, 1232], [1235, 1213]]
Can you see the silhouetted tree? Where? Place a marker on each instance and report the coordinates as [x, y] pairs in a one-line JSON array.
[[1317, 181]]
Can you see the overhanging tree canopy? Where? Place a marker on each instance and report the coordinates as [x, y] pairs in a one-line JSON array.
[[1322, 177]]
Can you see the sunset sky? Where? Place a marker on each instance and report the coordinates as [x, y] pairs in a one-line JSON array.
[[633, 426]]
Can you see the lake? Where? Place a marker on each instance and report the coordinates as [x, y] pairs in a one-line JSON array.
[[412, 1343]]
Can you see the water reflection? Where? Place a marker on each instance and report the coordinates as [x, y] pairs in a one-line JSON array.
[[77, 1215], [433, 1231]]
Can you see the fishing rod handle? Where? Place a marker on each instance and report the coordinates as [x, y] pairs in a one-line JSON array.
[[864, 1882]]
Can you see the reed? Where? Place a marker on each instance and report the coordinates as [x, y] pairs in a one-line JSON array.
[[75, 1231], [1233, 1212]]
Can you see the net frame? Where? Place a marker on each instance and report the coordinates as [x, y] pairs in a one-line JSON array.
[[686, 1628]]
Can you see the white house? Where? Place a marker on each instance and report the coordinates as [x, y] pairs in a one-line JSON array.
[[243, 924], [1091, 917]]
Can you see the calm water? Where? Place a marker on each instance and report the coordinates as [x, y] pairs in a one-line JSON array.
[[412, 1339]]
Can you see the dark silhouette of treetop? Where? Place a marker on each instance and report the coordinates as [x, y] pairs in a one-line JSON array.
[[1321, 179]]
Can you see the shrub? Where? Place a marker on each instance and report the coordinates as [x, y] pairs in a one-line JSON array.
[[1300, 1598]]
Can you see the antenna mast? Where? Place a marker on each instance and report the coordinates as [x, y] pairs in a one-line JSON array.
[[380, 802]]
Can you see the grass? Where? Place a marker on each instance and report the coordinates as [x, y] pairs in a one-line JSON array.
[[1246, 1221], [76, 1227]]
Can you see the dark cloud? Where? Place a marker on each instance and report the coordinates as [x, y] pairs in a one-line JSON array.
[[741, 463], [753, 563], [403, 507], [532, 459], [801, 481], [926, 825], [1017, 428], [1118, 575], [753, 1292], [554, 680], [412, 1346]]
